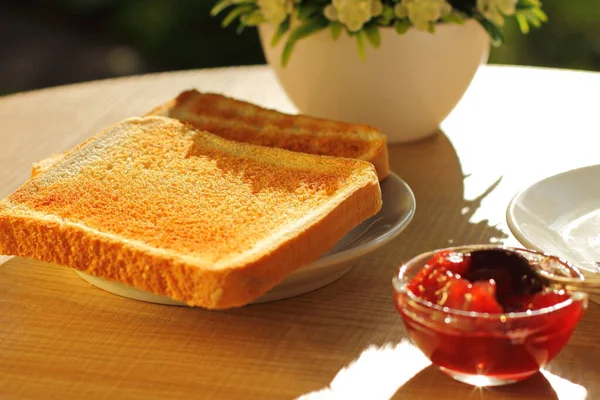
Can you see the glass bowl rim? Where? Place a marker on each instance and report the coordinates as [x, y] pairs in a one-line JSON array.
[[428, 306]]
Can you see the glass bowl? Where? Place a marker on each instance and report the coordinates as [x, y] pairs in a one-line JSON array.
[[487, 349]]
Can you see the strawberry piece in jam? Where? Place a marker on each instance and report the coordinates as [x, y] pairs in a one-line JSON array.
[[483, 298], [478, 296], [427, 283], [457, 263], [456, 293]]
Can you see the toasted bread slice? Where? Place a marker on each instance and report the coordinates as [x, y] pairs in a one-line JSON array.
[[245, 122], [46, 163], [157, 205]]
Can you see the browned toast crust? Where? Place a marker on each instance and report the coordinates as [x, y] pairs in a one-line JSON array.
[[74, 215], [245, 122]]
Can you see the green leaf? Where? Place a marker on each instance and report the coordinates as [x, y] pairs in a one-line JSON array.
[[386, 17], [494, 32], [523, 25], [535, 22], [305, 11], [360, 44], [234, 13], [282, 29], [373, 35], [532, 19], [336, 30], [401, 26], [431, 27], [542, 16], [220, 6], [253, 19], [533, 6], [309, 27], [454, 18]]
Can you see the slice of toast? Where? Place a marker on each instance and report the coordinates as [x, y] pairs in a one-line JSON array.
[[157, 205], [44, 164], [244, 122]]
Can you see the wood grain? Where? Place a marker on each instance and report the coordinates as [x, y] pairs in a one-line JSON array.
[[62, 338]]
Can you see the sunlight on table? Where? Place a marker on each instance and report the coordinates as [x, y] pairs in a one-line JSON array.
[[499, 141], [379, 372], [376, 374], [565, 389]]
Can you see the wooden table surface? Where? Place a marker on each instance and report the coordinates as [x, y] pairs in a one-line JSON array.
[[62, 338]]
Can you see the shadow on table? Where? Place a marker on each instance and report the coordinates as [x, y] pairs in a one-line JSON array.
[[433, 170]]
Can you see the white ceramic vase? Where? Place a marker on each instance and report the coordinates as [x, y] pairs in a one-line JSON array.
[[406, 88]]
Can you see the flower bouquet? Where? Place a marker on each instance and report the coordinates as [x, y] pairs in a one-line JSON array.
[[362, 19]]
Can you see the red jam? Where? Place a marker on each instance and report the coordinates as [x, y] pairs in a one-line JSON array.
[[498, 344], [472, 282]]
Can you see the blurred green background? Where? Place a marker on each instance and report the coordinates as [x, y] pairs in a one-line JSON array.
[[54, 42]]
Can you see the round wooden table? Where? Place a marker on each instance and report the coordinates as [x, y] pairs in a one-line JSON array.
[[62, 338]]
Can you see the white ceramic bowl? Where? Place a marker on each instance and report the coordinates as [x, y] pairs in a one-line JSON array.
[[406, 88]]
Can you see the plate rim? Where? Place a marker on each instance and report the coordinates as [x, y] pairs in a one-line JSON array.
[[374, 244]]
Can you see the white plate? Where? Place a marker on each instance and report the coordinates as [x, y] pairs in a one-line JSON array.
[[561, 215], [396, 213]]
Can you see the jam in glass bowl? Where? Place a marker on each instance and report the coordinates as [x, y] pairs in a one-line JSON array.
[[481, 316]]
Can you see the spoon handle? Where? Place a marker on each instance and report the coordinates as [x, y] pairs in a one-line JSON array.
[[585, 285]]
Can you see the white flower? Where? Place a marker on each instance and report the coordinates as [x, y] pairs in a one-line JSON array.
[[400, 11], [275, 11], [330, 12], [422, 12], [495, 10], [353, 13], [376, 8]]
